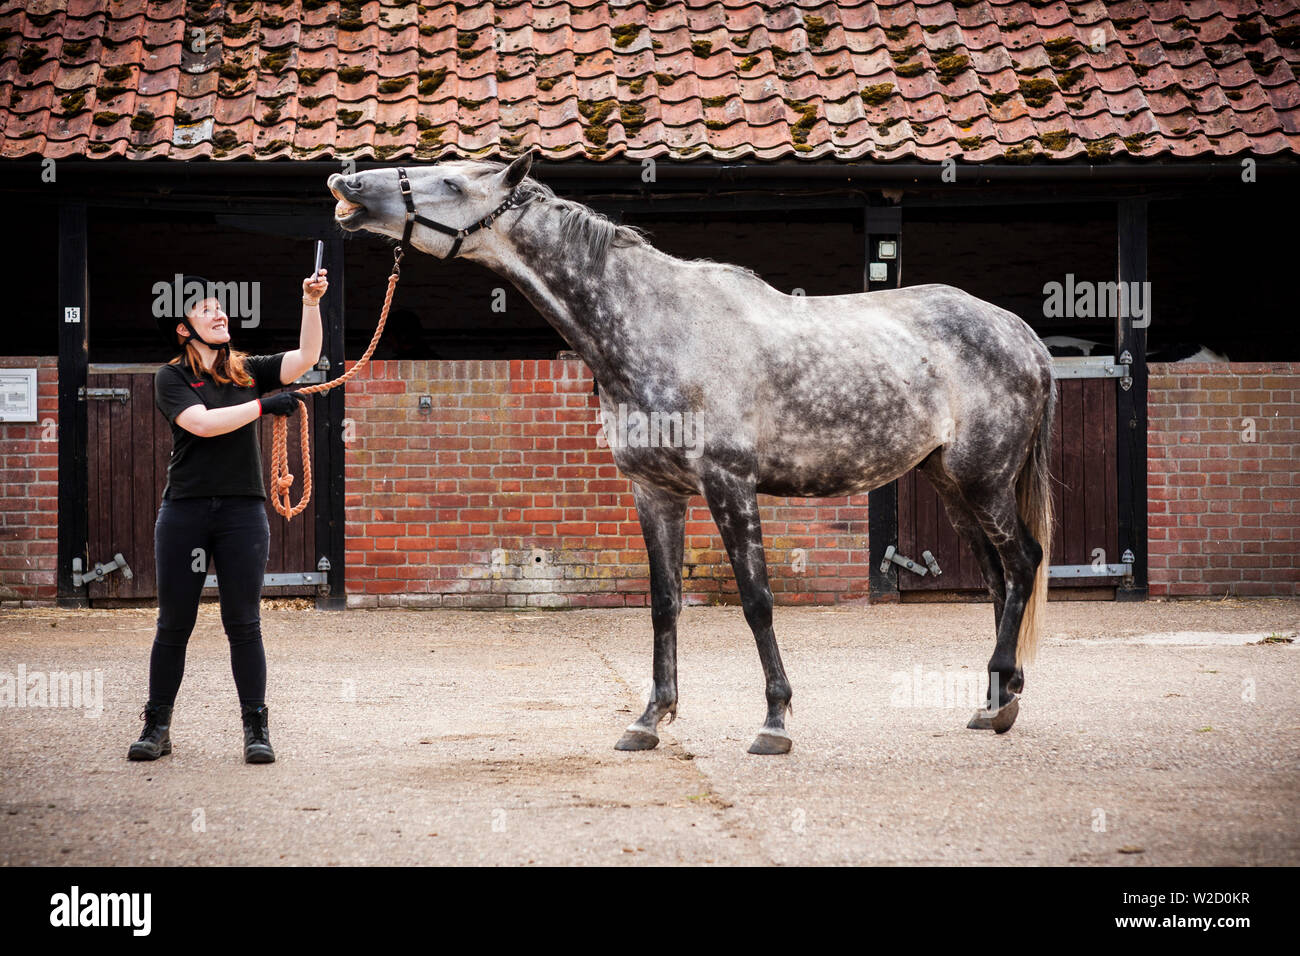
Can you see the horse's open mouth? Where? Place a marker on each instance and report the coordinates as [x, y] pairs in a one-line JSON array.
[[346, 212]]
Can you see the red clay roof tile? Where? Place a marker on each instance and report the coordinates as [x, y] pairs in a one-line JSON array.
[[904, 80]]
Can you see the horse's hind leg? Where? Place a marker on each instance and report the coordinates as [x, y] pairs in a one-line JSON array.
[[734, 505], [663, 525], [1001, 717], [967, 526], [988, 520], [1020, 555]]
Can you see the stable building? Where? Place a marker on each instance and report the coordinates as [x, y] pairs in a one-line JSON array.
[[1113, 173]]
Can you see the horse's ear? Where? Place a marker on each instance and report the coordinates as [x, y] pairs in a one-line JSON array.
[[517, 170]]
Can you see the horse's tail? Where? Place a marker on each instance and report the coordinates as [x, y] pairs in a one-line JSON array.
[[1034, 500]]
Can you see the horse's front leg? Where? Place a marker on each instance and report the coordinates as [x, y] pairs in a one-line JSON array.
[[733, 503], [663, 524]]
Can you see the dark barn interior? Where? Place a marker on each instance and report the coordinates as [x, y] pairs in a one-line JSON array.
[[1217, 266]]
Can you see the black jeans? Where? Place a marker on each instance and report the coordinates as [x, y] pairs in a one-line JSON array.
[[227, 535]]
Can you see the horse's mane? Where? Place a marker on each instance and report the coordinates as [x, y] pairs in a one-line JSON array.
[[581, 225], [593, 232]]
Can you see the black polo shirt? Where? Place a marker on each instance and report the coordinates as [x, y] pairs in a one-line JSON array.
[[229, 464]]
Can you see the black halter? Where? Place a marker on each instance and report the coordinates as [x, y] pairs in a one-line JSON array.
[[412, 217]]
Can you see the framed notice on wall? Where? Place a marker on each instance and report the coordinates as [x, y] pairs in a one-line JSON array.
[[17, 394]]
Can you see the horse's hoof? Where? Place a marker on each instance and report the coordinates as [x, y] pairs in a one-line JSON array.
[[635, 738], [771, 742], [1000, 721]]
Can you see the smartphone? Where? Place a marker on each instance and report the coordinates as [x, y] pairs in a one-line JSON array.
[[320, 254]]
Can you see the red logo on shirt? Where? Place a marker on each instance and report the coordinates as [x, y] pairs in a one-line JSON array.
[[196, 384]]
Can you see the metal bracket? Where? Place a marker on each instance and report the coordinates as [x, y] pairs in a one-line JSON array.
[[1093, 366], [931, 563], [122, 395], [293, 579], [1128, 559], [100, 571], [893, 557], [323, 566], [316, 374], [1126, 380], [1122, 570]]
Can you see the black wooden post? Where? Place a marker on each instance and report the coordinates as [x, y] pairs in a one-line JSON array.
[[882, 224], [328, 411], [74, 359], [1131, 407]]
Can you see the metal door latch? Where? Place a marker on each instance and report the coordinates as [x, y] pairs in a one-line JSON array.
[[100, 571], [893, 557]]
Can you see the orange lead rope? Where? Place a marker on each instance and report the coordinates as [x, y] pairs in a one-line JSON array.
[[281, 480]]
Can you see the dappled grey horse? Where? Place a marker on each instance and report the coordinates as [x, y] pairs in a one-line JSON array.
[[818, 396]]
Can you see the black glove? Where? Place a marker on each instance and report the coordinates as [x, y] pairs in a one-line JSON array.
[[282, 403]]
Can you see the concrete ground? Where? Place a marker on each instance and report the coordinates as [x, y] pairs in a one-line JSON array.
[[450, 737]]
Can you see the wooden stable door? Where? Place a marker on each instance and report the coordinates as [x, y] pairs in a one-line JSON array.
[[129, 442], [1084, 498]]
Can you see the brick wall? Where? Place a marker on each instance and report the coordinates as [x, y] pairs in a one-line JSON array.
[[29, 492], [501, 496], [1224, 452], [456, 506]]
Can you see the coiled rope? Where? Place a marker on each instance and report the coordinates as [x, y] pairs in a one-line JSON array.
[[281, 480]]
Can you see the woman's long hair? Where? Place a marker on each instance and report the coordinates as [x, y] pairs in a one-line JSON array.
[[229, 366]]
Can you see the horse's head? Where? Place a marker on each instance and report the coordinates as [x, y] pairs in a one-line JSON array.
[[457, 194]]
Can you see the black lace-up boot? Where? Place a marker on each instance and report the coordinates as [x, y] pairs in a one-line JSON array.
[[257, 739], [156, 739]]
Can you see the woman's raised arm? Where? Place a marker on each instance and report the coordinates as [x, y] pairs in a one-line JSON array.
[[307, 354]]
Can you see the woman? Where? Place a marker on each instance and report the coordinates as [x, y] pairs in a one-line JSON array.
[[213, 512]]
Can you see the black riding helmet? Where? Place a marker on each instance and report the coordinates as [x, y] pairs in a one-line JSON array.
[[167, 323]]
